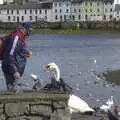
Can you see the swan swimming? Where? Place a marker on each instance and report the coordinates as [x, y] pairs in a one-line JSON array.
[[108, 105], [75, 103]]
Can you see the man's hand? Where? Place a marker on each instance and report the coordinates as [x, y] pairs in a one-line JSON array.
[[29, 54], [16, 75]]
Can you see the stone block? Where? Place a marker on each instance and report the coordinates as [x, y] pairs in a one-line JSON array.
[[26, 118], [16, 109], [45, 110]]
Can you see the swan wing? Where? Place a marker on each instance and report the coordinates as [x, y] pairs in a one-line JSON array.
[[78, 104]]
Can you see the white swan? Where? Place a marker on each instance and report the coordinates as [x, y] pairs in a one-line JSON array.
[[75, 104], [108, 105]]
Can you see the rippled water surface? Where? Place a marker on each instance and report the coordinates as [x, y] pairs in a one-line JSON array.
[[80, 59]]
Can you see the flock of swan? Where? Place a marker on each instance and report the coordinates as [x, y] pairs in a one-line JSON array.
[[76, 104]]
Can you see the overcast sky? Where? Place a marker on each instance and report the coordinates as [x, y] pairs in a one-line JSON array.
[[1, 1]]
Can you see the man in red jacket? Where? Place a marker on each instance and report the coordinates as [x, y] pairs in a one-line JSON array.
[[15, 55]]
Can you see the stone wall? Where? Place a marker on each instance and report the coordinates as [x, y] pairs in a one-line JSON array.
[[34, 106]]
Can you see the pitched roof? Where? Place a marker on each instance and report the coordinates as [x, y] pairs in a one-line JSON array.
[[29, 5]]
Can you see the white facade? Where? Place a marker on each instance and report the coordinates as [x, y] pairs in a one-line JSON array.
[[108, 11], [61, 11], [25, 15]]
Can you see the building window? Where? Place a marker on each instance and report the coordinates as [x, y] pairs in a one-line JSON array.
[[45, 17], [60, 4], [65, 17], [67, 10], [85, 10], [90, 10], [55, 10], [90, 3], [0, 11], [55, 4], [35, 11], [25, 11], [79, 10], [67, 4], [111, 10], [18, 19], [56, 17], [86, 17], [61, 18], [11, 11], [73, 17], [8, 18], [30, 18], [30, 11], [74, 10], [45, 11], [17, 11], [110, 17], [60, 10], [13, 18], [22, 18], [98, 3], [79, 17], [105, 9], [98, 10], [35, 18], [7, 11], [40, 11], [104, 17], [86, 3]]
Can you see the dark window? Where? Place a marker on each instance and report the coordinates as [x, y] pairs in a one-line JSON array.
[[64, 17], [45, 17], [8, 18], [35, 18], [67, 4], [105, 9], [90, 3], [56, 17], [45, 11], [85, 10], [60, 17], [79, 10], [90, 10], [73, 17], [110, 17], [22, 18], [98, 10], [86, 3], [30, 18], [67, 10], [104, 17], [11, 11], [35, 11], [74, 10], [25, 11], [60, 10], [55, 4], [60, 4], [13, 18], [18, 19], [40, 11], [30, 11], [86, 17], [55, 10], [111, 10], [79, 17]]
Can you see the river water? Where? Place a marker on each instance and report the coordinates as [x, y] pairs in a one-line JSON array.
[[80, 59]]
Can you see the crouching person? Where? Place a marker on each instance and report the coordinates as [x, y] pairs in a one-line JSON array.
[[15, 55]]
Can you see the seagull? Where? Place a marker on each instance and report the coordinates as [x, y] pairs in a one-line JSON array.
[[108, 104], [75, 103]]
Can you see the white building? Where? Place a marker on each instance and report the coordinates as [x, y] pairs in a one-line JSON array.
[[23, 13], [61, 10], [117, 12], [108, 10]]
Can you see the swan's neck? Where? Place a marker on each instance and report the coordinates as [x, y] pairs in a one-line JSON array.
[[57, 74]]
